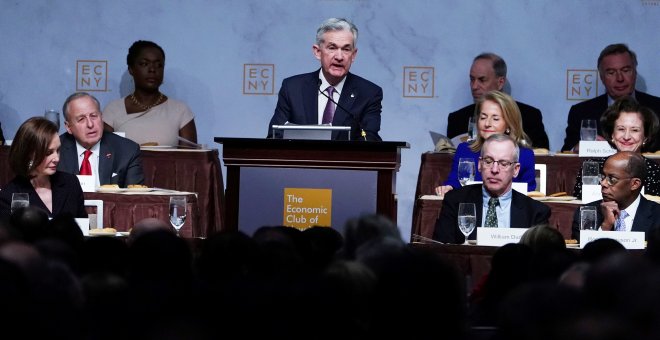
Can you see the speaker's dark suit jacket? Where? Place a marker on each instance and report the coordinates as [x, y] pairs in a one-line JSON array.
[[594, 109], [67, 195], [532, 121], [298, 103], [646, 218], [525, 212], [119, 159]]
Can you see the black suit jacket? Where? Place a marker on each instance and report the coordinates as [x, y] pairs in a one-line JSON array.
[[646, 218], [525, 212], [298, 104], [532, 121], [119, 156], [67, 195], [594, 109]]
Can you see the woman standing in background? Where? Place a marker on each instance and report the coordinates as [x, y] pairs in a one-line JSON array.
[[147, 116]]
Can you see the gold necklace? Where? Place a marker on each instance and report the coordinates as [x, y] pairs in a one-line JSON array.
[[146, 107]]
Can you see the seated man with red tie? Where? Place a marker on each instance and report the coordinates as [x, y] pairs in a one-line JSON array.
[[88, 150], [623, 208], [504, 207], [332, 95]]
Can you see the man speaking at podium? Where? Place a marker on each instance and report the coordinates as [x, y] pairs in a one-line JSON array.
[[332, 95]]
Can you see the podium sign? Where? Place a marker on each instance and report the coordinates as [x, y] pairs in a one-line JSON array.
[[302, 183], [303, 198]]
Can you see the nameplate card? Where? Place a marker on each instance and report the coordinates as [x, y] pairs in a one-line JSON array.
[[87, 183], [497, 237], [591, 193], [83, 224], [599, 148], [520, 187], [629, 239]]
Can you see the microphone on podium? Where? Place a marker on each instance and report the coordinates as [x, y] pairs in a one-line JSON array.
[[357, 121]]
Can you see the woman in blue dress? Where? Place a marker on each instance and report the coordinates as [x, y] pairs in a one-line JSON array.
[[495, 112]]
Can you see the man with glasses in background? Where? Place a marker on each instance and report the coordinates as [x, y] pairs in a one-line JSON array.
[[88, 150], [622, 208], [503, 207], [617, 67]]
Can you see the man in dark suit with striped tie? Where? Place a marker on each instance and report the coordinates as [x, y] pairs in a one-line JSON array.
[[356, 102], [623, 208], [505, 207]]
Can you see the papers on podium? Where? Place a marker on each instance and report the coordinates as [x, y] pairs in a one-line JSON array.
[[316, 132]]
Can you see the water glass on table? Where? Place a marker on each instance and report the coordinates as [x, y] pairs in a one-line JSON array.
[[19, 200], [588, 130], [467, 219], [471, 130], [590, 173], [178, 211], [588, 218], [465, 170]]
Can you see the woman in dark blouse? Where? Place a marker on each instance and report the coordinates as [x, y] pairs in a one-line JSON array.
[[33, 157], [628, 126]]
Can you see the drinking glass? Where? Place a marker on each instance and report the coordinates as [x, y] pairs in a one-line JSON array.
[[590, 173], [19, 200], [588, 218], [465, 170], [53, 116], [467, 219], [471, 130], [588, 130], [177, 212]]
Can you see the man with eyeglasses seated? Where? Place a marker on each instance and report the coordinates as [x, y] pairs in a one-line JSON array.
[[497, 205], [622, 208], [617, 68], [88, 150]]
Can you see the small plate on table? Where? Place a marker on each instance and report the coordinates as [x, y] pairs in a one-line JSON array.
[[565, 154], [157, 147], [560, 198], [102, 232], [555, 199], [139, 189], [109, 190]]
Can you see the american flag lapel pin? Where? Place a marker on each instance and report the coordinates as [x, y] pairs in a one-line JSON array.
[[108, 155]]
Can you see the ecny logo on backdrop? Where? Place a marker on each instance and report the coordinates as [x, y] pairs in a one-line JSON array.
[[418, 82], [91, 75], [258, 78], [305, 207], [581, 84]]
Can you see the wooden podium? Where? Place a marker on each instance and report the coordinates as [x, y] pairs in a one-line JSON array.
[[298, 163]]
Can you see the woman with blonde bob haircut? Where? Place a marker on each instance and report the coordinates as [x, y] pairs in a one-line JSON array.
[[495, 112]]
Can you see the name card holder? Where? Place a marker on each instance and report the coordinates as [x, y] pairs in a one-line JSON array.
[[497, 237], [629, 239], [83, 224], [87, 183], [591, 193], [598, 148]]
